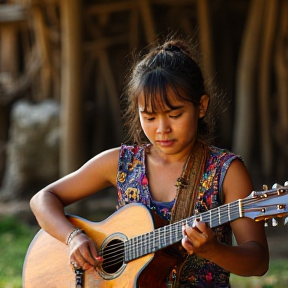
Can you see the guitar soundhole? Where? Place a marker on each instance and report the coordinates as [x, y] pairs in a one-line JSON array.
[[113, 255]]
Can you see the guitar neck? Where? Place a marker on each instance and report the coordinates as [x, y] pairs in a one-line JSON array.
[[162, 237]]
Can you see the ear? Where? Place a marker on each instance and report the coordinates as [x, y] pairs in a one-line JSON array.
[[203, 105]]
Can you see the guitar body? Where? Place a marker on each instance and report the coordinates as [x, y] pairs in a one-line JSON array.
[[47, 260]]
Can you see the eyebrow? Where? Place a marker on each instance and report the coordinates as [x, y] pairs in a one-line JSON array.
[[165, 111]]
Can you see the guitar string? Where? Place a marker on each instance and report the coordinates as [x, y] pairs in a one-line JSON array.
[[138, 241], [113, 250], [231, 212]]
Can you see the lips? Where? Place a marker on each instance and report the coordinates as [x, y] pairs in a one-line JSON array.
[[165, 142]]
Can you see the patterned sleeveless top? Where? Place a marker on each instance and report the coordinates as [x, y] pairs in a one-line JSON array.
[[133, 187]]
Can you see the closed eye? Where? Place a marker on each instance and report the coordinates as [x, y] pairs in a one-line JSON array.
[[175, 116]]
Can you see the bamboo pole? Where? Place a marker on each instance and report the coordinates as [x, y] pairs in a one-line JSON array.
[[264, 98], [205, 38], [111, 87], [43, 52], [71, 147], [147, 18], [281, 68], [245, 83]]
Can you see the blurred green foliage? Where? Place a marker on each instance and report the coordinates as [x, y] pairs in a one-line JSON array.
[[15, 237]]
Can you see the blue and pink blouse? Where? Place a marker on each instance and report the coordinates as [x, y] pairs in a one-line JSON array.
[[133, 187]]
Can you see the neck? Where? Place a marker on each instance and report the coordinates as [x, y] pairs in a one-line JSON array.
[[163, 158]]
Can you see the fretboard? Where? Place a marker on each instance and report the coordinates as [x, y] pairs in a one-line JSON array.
[[162, 237]]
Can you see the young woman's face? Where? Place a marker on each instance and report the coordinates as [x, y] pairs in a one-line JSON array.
[[172, 131]]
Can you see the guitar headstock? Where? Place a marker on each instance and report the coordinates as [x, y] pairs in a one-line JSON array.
[[267, 204]]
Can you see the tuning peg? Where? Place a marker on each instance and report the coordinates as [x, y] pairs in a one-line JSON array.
[[274, 222], [286, 183], [275, 186], [286, 221], [265, 187], [266, 224]]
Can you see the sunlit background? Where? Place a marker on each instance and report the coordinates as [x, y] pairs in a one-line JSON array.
[[62, 68]]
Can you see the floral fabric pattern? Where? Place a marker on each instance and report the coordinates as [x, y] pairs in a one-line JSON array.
[[133, 187]]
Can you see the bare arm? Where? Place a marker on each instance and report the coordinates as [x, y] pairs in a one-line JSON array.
[[48, 204], [251, 256]]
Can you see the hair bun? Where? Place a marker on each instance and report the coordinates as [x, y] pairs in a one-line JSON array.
[[177, 46], [172, 48]]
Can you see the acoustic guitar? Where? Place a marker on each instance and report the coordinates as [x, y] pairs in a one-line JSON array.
[[135, 253]]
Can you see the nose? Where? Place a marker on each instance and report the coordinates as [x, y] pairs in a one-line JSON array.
[[163, 125]]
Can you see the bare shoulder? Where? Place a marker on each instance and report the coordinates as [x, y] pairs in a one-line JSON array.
[[110, 155], [104, 164], [237, 182]]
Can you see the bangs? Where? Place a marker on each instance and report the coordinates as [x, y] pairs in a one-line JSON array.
[[155, 87]]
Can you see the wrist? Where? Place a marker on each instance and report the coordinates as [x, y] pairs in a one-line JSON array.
[[73, 233]]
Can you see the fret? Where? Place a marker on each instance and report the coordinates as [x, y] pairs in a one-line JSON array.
[[210, 218], [206, 217], [137, 246], [219, 215], [162, 237], [145, 244], [131, 247], [156, 239], [240, 208], [226, 216], [174, 230], [149, 243], [229, 212], [178, 236], [161, 243], [128, 250], [136, 241], [142, 247], [153, 240], [131, 251], [134, 250]]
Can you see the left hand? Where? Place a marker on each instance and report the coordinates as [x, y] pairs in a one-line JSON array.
[[199, 239]]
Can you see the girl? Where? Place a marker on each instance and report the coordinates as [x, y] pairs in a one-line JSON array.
[[166, 118]]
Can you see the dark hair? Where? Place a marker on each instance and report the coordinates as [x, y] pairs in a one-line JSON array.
[[170, 65]]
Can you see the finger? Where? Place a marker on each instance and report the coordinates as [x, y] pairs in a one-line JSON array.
[[94, 253], [75, 265], [196, 237], [85, 254], [200, 225], [187, 245], [79, 258], [96, 259], [90, 255]]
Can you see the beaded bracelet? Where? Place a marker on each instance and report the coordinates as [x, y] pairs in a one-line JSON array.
[[75, 232]]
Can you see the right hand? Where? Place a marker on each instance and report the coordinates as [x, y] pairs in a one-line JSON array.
[[83, 253]]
